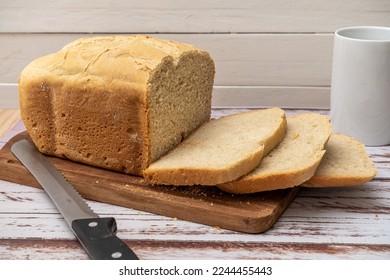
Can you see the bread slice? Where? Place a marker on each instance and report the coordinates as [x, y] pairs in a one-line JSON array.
[[346, 163], [221, 150], [293, 162]]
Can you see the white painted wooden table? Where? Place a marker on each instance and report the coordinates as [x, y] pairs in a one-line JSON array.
[[328, 223]]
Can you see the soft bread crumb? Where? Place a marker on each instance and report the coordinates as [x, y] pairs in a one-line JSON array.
[[293, 161], [221, 150], [346, 163]]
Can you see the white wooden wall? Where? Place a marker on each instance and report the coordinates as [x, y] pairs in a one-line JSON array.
[[267, 52]]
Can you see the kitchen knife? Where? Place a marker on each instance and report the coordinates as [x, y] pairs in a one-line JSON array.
[[97, 235]]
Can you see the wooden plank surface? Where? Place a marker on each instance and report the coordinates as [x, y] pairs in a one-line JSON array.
[[252, 213], [339, 215], [192, 16], [273, 52], [188, 250], [241, 59], [324, 223], [300, 233], [251, 69], [9, 98], [261, 49], [268, 96], [8, 119]]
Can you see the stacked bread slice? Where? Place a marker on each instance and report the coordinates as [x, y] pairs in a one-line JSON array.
[[221, 150], [256, 151], [306, 157], [293, 162], [345, 163]]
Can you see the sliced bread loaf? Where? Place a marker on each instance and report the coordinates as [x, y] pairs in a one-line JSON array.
[[346, 163], [221, 150], [291, 163]]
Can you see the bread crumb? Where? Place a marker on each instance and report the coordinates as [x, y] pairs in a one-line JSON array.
[[174, 219], [217, 227], [97, 181], [296, 135]]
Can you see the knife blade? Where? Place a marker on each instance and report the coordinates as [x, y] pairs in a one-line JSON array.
[[97, 235]]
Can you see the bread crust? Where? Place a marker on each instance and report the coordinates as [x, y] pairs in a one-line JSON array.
[[89, 123], [209, 175], [337, 181], [89, 102], [273, 181], [188, 177]]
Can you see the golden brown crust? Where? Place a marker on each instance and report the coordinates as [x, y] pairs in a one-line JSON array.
[[272, 182], [188, 177], [336, 181], [89, 124], [89, 101]]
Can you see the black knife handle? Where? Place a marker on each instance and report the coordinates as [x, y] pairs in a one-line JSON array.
[[98, 236]]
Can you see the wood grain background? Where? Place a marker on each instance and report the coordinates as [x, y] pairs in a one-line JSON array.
[[267, 52]]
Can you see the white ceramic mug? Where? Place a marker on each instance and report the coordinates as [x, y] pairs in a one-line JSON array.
[[360, 90]]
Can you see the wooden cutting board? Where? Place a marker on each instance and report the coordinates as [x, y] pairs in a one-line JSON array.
[[252, 213]]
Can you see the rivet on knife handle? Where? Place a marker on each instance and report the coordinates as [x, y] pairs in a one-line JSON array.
[[100, 241], [97, 235]]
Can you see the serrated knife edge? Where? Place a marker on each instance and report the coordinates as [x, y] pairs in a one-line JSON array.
[[67, 200]]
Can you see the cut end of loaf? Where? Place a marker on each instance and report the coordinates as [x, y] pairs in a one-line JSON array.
[[179, 99]]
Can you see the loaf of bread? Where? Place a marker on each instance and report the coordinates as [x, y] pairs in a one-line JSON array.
[[221, 150], [293, 161], [345, 163], [117, 102]]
